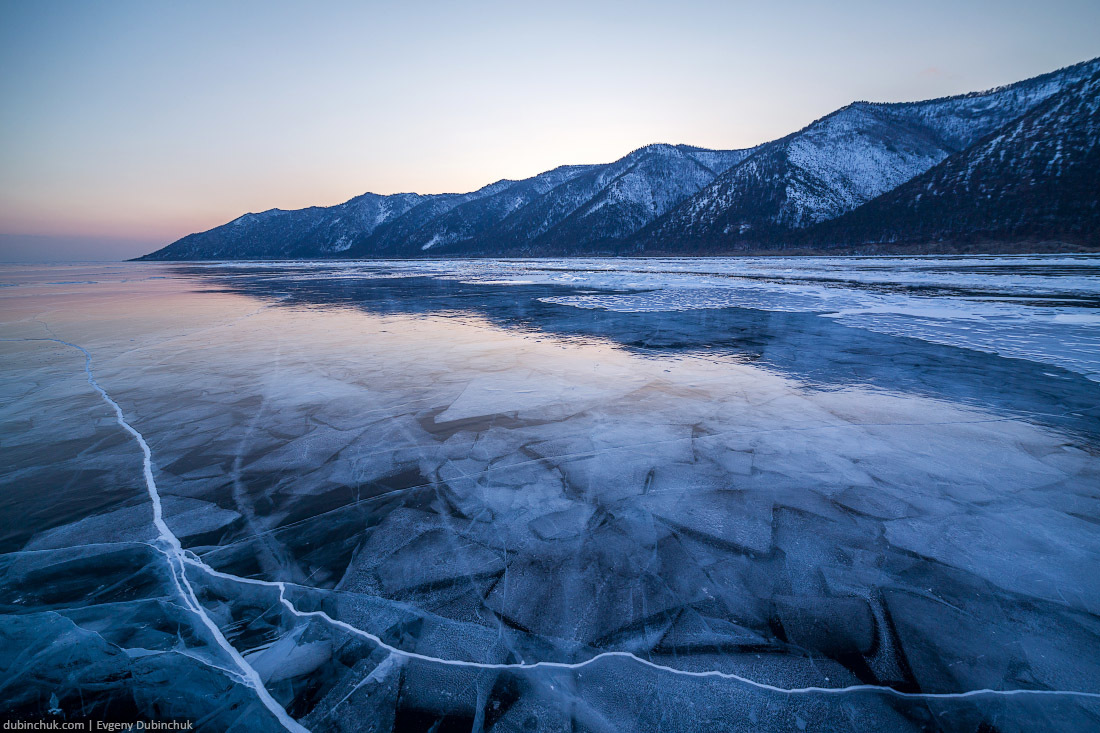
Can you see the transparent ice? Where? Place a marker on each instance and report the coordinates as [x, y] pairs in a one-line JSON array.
[[598, 495]]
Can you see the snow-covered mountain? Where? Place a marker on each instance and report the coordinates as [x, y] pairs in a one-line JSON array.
[[842, 161], [679, 198], [612, 203], [571, 206], [1038, 177]]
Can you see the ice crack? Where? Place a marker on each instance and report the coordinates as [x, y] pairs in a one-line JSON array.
[[191, 559], [169, 545], [176, 557]]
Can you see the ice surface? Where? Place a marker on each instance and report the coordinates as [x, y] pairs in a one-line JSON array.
[[822, 494]]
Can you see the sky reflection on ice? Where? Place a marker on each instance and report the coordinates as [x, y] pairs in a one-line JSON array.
[[440, 466]]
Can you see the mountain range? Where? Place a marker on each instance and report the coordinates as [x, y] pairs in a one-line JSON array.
[[1015, 164]]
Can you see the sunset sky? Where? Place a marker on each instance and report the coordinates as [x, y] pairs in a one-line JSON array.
[[126, 125]]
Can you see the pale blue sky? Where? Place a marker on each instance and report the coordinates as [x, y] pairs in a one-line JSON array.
[[144, 121]]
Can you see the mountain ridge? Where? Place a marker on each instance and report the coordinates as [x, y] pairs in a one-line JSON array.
[[1041, 170], [667, 198]]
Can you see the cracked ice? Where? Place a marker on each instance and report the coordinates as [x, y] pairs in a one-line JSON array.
[[561, 495]]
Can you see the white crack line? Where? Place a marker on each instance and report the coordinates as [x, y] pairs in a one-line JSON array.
[[191, 559], [169, 545], [177, 557]]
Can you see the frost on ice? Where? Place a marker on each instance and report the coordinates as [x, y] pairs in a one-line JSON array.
[[559, 495]]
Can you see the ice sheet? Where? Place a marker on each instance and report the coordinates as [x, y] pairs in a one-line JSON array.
[[411, 494]]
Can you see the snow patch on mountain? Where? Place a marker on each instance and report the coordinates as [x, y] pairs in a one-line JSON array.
[[662, 197]]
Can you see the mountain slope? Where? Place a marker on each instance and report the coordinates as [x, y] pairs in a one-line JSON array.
[[473, 218], [1039, 177], [308, 232], [858, 167], [650, 188], [842, 161], [595, 203], [607, 203]]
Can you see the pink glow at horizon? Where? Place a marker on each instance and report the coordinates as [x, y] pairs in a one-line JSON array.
[[146, 121]]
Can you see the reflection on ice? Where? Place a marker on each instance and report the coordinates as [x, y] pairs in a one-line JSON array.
[[406, 502]]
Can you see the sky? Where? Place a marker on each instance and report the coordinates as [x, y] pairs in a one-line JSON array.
[[126, 125]]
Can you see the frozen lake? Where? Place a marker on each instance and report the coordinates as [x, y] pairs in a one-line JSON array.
[[554, 495]]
